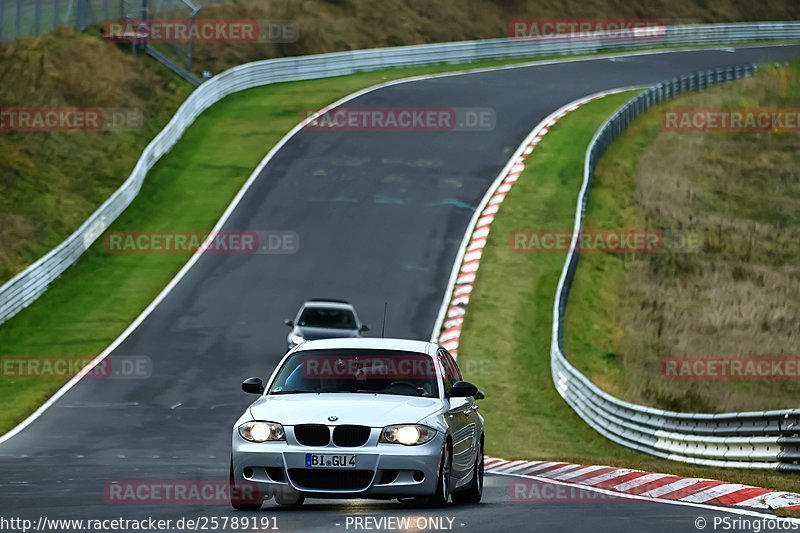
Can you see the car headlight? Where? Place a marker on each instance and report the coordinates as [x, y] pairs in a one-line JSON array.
[[407, 434], [261, 431], [297, 339]]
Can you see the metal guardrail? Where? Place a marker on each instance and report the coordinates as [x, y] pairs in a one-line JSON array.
[[761, 439], [29, 284]]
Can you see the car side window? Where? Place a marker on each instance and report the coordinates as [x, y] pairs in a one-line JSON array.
[[448, 376], [453, 365]]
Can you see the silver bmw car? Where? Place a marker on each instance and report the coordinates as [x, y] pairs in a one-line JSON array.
[[360, 418]]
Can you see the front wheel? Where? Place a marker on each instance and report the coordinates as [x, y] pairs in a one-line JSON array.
[[442, 494], [239, 498], [474, 493]]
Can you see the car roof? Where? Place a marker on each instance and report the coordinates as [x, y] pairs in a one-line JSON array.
[[331, 300], [370, 343], [336, 304]]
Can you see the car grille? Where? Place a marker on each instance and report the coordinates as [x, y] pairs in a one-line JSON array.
[[349, 436], [323, 479], [312, 434]]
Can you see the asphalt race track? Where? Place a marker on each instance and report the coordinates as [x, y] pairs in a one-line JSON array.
[[380, 216]]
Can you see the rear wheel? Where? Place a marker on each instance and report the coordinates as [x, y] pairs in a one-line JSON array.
[[474, 493], [241, 500]]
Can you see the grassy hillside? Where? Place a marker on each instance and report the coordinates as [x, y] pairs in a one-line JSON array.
[[736, 296], [51, 181]]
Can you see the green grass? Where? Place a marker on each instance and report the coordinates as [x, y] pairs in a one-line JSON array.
[[505, 343]]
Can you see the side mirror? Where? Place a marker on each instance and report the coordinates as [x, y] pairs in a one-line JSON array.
[[479, 395], [253, 386], [463, 389], [363, 328], [289, 322]]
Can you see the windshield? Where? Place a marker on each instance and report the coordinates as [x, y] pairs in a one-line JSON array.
[[358, 371], [327, 317]]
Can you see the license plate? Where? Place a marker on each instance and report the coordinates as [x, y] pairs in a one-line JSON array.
[[320, 460]]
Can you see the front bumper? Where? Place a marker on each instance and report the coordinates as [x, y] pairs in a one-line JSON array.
[[382, 470]]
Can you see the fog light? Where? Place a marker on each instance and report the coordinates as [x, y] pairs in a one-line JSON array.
[[248, 472]]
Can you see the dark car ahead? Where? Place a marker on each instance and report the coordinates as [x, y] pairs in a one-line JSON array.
[[324, 319]]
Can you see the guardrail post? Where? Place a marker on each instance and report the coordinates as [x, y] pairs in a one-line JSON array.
[[80, 14], [37, 12], [18, 21]]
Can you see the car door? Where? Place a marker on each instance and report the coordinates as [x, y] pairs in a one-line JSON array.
[[460, 419]]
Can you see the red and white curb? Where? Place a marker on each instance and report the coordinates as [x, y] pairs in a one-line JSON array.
[[459, 296], [649, 484]]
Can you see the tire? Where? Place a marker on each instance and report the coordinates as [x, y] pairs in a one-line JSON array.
[[236, 503], [442, 495], [474, 492]]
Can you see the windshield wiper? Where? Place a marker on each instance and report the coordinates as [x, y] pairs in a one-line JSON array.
[[388, 393], [294, 392]]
